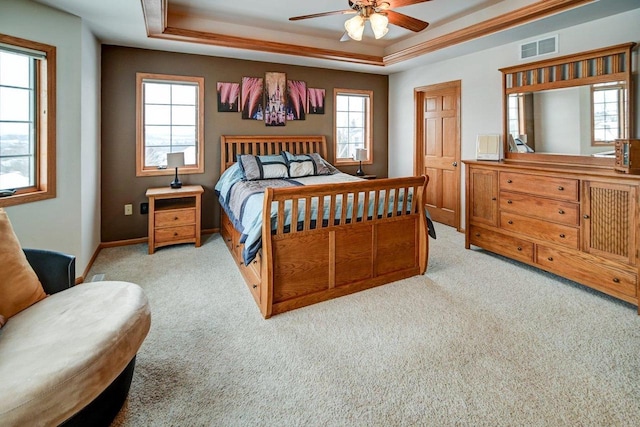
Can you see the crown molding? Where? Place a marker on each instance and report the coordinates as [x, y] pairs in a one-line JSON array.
[[155, 15]]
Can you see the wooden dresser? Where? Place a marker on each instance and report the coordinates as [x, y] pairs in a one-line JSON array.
[[576, 222]]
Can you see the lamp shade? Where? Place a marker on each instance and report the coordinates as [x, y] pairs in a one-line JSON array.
[[355, 27], [379, 24], [361, 154], [175, 160]]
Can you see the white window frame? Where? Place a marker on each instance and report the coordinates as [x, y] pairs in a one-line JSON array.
[[367, 129], [620, 108], [44, 120], [141, 169]]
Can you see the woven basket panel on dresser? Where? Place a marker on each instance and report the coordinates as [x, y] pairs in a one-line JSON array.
[[610, 221]]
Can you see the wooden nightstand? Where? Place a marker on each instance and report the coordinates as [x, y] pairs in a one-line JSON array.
[[174, 216]]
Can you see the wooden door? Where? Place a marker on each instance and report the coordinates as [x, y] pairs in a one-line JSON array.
[[438, 149]]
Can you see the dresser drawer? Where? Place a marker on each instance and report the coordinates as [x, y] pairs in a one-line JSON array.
[[546, 186], [540, 229], [589, 271], [175, 217], [494, 241], [172, 234], [559, 211]]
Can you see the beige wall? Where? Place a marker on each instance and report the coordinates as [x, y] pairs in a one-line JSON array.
[[69, 222], [119, 183]]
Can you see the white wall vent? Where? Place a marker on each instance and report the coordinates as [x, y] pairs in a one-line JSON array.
[[539, 47]]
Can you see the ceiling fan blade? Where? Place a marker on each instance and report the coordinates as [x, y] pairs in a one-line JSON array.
[[345, 37], [318, 15], [405, 21], [400, 3]]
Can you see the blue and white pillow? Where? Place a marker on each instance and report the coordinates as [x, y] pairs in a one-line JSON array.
[[305, 165], [263, 167]]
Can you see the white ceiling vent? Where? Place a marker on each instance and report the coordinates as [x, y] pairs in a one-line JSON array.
[[539, 47]]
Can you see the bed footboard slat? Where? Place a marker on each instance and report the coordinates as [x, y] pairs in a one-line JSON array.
[[307, 214]]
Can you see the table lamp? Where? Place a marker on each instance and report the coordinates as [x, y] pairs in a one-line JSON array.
[[361, 154], [175, 160]]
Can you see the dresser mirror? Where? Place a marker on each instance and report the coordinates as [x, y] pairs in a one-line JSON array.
[[569, 109]]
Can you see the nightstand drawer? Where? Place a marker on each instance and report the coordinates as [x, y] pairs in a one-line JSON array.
[[176, 217], [172, 234]]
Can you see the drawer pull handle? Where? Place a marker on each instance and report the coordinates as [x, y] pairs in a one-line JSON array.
[[494, 198], [616, 280], [477, 234], [561, 212], [228, 240], [509, 202], [550, 258], [519, 248], [509, 181], [562, 236], [585, 216], [175, 234], [560, 188], [255, 286], [175, 218], [510, 222]]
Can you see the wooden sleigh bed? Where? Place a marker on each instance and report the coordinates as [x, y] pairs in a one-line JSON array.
[[318, 260]]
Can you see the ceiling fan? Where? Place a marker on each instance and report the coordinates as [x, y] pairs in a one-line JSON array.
[[379, 13]]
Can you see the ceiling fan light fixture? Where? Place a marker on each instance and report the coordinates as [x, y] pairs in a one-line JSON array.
[[355, 27], [379, 24]]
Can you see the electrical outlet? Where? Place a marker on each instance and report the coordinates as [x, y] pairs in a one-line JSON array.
[[128, 209]]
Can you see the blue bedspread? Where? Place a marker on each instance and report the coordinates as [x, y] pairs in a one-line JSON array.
[[243, 202]]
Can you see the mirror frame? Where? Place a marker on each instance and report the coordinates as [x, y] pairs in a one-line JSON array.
[[610, 64]]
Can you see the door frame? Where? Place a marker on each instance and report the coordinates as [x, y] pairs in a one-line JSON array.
[[419, 95]]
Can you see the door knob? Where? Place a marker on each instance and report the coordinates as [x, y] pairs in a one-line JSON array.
[[454, 164]]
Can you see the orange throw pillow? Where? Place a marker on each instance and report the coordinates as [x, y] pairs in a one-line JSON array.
[[19, 285]]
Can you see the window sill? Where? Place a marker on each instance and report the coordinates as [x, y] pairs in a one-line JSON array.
[[169, 171], [22, 198], [351, 163]]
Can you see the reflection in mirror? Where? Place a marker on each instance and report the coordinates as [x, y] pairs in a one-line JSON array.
[[581, 120], [570, 109]]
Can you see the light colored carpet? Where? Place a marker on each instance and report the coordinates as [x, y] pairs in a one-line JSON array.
[[479, 340]]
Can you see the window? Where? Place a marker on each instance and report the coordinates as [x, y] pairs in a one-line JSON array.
[[608, 101], [27, 121], [170, 112], [353, 119], [514, 114]]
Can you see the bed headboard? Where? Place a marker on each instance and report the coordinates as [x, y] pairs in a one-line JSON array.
[[232, 145]]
